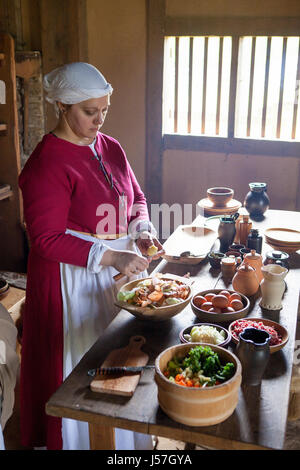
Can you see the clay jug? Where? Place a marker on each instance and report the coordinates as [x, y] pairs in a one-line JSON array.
[[257, 201], [272, 286], [253, 351], [245, 280], [255, 260]]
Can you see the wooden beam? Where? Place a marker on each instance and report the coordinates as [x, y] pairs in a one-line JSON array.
[[233, 86], [232, 26], [155, 56], [231, 145], [11, 235]]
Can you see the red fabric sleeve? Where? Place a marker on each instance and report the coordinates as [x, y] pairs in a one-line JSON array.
[[47, 191]]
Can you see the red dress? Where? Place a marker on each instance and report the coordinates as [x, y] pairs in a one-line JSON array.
[[62, 187]]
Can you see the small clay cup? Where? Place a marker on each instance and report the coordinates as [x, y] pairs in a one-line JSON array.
[[220, 196]]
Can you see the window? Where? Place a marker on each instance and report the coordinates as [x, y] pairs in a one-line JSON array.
[[196, 87]]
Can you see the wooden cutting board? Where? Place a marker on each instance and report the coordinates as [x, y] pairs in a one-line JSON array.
[[122, 384]]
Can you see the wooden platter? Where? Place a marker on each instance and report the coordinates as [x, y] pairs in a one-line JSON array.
[[122, 384], [283, 235], [209, 209], [197, 240], [284, 239]]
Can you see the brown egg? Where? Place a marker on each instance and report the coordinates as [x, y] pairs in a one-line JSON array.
[[206, 306], [209, 296], [199, 300], [235, 296], [237, 304], [220, 301], [215, 310], [225, 292], [228, 310]]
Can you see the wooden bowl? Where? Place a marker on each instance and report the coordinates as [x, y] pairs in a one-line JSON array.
[[3, 285], [188, 329], [4, 288], [160, 313], [211, 317], [219, 196], [197, 406], [279, 328]]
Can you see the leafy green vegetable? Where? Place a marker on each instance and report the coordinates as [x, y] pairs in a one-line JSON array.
[[126, 295], [172, 301], [202, 360]]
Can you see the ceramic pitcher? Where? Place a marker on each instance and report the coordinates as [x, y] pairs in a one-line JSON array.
[[272, 286], [253, 351]]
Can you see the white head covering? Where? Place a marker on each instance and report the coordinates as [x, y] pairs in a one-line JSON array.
[[75, 82]]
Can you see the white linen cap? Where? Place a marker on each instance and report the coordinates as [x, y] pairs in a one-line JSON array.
[[75, 82]]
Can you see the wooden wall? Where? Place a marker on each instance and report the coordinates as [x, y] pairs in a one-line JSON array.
[[117, 46], [202, 170]]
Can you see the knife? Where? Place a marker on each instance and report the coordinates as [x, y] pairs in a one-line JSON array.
[[118, 370], [149, 258]]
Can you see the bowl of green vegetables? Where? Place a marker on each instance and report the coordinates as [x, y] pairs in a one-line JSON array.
[[198, 384]]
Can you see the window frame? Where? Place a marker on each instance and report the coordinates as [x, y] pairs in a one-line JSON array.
[[159, 26]]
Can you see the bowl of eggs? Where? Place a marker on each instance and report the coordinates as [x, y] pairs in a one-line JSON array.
[[220, 305]]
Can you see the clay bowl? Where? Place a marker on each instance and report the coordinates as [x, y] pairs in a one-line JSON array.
[[211, 317], [188, 329], [159, 313], [4, 288], [197, 406], [215, 259], [277, 327], [220, 196]]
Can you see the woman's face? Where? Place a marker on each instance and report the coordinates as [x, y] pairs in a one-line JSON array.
[[87, 117]]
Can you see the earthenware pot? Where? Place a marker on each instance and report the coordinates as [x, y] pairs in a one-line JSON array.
[[245, 280], [255, 260], [253, 351], [257, 201]]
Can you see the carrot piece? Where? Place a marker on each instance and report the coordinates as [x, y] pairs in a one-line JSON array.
[[155, 296]]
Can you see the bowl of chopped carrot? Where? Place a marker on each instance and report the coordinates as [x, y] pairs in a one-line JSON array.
[[198, 383], [155, 298]]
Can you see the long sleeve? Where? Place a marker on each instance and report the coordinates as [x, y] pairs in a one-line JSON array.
[[47, 191]]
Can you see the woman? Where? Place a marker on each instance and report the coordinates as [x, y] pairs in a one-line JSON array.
[[87, 219]]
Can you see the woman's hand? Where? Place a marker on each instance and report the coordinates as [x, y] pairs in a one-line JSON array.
[[146, 240], [125, 261]]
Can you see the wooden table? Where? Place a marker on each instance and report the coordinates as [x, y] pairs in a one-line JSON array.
[[259, 420]]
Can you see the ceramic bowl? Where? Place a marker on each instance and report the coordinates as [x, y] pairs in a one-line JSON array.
[[211, 317], [277, 327], [197, 406], [214, 258], [159, 313], [188, 329], [236, 247], [4, 288], [220, 196]]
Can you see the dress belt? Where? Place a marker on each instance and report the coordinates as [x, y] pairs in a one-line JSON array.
[[113, 236]]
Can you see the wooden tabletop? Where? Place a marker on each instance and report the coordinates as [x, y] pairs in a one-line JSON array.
[[259, 420]]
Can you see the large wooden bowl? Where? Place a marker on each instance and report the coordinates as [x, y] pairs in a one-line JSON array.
[[160, 313], [197, 406], [211, 317], [277, 327]]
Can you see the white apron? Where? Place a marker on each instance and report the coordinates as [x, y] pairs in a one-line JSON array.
[[88, 307]]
